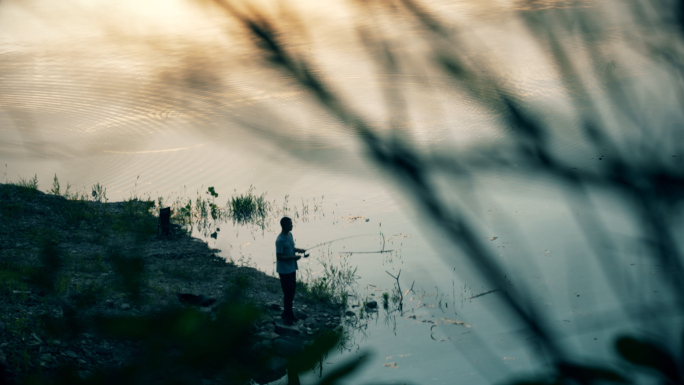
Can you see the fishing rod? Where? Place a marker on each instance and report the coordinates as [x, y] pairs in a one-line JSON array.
[[338, 239]]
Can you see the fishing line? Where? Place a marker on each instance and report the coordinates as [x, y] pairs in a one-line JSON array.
[[339, 239]]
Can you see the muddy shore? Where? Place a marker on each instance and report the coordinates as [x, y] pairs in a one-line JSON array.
[[73, 262]]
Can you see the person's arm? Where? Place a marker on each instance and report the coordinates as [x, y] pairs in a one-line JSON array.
[[299, 250], [283, 257]]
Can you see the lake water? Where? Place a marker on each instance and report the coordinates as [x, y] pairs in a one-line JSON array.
[[167, 99]]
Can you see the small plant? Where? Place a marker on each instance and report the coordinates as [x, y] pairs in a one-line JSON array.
[[73, 196], [99, 193], [62, 284], [240, 282], [396, 297], [334, 285], [212, 192], [31, 184], [248, 207], [344, 299], [55, 190], [385, 300], [286, 207]]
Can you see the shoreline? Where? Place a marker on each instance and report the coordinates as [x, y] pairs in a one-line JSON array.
[[67, 263]]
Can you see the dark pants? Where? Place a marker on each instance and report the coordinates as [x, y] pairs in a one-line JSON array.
[[289, 284]]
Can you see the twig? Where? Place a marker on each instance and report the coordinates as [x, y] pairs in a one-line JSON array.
[[481, 294], [401, 300], [411, 289]]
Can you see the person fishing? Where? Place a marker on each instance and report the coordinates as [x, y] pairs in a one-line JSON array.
[[286, 267]]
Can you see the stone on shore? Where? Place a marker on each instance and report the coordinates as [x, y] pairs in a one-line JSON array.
[[286, 330]]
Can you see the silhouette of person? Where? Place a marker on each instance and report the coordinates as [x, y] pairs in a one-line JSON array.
[[286, 267]]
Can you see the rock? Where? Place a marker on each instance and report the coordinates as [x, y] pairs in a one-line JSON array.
[[286, 330], [372, 305], [46, 357], [195, 300], [267, 322], [70, 353], [349, 313], [3, 358], [269, 335], [109, 303], [2, 327], [275, 307], [301, 315], [103, 350], [125, 306]]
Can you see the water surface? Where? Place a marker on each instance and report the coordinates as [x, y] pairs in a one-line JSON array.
[[166, 99]]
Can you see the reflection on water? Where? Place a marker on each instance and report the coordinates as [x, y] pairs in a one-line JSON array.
[[170, 96]]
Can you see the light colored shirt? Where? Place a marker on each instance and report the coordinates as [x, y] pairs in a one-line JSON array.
[[285, 245]]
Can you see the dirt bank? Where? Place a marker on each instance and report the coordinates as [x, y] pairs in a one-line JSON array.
[[68, 268]]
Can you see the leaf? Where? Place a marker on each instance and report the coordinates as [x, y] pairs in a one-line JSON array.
[[535, 381], [313, 353], [346, 369], [583, 373], [212, 192], [648, 354]]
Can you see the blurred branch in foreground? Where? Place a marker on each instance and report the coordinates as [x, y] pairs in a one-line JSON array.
[[632, 128]]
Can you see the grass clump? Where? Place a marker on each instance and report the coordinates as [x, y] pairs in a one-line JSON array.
[[248, 207], [201, 214], [99, 193], [335, 283], [31, 184], [28, 186]]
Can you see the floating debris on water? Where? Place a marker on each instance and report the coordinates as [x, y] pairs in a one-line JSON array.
[[481, 294], [366, 252], [448, 321]]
